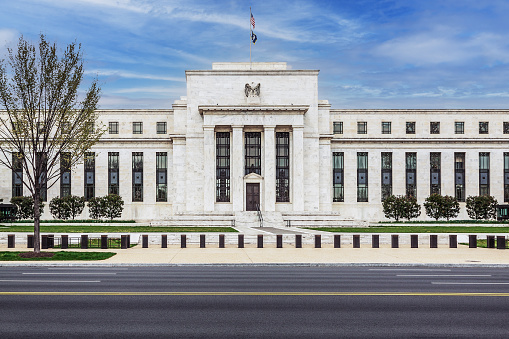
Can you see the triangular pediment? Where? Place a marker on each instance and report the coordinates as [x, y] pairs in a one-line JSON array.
[[253, 176]]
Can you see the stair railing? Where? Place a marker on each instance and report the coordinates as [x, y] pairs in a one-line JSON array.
[[260, 217]]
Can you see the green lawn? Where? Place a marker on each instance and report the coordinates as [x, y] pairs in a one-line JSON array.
[[113, 229], [415, 229], [59, 256]]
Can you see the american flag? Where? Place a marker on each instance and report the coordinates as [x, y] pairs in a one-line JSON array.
[[252, 20]]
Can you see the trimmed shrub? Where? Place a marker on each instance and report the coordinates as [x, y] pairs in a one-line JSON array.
[[58, 209], [397, 207], [95, 208], [75, 205], [67, 207], [438, 206], [25, 207], [110, 206], [483, 207]]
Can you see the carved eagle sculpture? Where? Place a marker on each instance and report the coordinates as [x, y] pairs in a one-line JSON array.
[[252, 91]]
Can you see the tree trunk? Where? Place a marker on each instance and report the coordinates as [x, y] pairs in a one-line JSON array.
[[37, 219]]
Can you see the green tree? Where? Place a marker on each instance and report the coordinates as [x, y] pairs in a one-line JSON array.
[[44, 116], [58, 209], [67, 207], [451, 207], [482, 207], [112, 205], [95, 208], [25, 207], [411, 208], [397, 207], [75, 205], [438, 206]]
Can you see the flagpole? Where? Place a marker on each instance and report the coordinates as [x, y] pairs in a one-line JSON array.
[[250, 33]]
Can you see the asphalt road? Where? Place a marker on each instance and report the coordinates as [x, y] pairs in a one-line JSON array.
[[271, 302]]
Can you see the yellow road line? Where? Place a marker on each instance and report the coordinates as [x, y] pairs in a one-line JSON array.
[[458, 294]]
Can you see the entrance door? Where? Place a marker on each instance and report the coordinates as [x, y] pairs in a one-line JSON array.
[[252, 196]]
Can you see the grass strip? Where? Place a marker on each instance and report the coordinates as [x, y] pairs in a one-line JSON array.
[[483, 243], [114, 229], [58, 256], [415, 229], [73, 221], [468, 221]]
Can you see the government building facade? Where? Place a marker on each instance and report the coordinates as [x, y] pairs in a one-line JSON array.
[[251, 137]]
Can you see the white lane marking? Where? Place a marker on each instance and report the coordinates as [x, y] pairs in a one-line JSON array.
[[443, 275], [52, 281], [89, 268], [409, 269], [87, 273], [467, 283]]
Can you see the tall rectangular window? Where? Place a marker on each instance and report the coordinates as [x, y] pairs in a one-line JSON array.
[[17, 174], [43, 179], [362, 127], [162, 174], [386, 127], [459, 176], [362, 177], [506, 176], [459, 127], [223, 166], [337, 127], [137, 176], [435, 175], [89, 175], [113, 127], [161, 127], [137, 127], [411, 174], [338, 161], [434, 127], [484, 173], [113, 172], [65, 174], [282, 167], [386, 175], [253, 153]]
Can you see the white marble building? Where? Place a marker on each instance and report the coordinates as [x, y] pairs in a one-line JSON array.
[[251, 136]]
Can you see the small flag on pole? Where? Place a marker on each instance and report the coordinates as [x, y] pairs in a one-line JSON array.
[[253, 38], [252, 20]]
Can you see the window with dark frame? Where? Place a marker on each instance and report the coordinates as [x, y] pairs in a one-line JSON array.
[[253, 153], [362, 177], [137, 127], [137, 180], [65, 174], [113, 173], [506, 127], [222, 166], [459, 127], [386, 175], [338, 160], [17, 174], [484, 173], [483, 127], [506, 176], [162, 174], [434, 127], [161, 127], [410, 127], [337, 127], [411, 174], [362, 127], [89, 164], [386, 127], [113, 127], [459, 176], [435, 172], [282, 167]]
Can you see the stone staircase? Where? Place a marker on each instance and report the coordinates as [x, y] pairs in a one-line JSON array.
[[251, 219], [319, 219], [218, 219]]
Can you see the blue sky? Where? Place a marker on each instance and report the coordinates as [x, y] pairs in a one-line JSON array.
[[371, 54]]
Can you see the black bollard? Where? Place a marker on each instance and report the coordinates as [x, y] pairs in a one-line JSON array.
[[241, 240], [64, 243], [104, 241], [123, 241], [414, 241], [356, 241], [472, 241], [84, 241], [164, 241], [394, 241], [144, 241], [202, 240], [221, 240], [30, 241], [433, 241], [318, 241], [51, 240], [298, 240], [279, 241], [44, 242], [375, 241], [490, 241], [183, 241], [337, 241], [260, 241], [128, 241], [11, 241], [453, 241], [501, 243]]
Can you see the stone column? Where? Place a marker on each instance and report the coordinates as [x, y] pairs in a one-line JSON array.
[[208, 168], [325, 174], [237, 169], [270, 169], [179, 174], [298, 168]]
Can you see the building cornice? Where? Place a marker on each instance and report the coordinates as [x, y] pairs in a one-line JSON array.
[[421, 140], [251, 109]]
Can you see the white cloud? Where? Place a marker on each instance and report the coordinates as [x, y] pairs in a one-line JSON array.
[[7, 39], [132, 75]]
